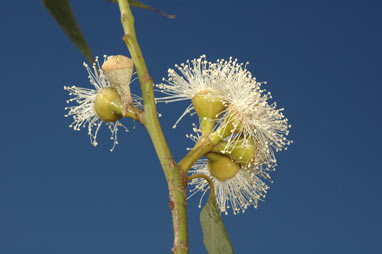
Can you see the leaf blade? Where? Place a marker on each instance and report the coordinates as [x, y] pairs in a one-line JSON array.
[[63, 14], [215, 237]]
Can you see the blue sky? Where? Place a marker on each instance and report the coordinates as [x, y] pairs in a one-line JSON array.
[[322, 61]]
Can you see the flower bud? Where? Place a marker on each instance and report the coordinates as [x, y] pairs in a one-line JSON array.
[[108, 105], [221, 167], [208, 107], [118, 71]]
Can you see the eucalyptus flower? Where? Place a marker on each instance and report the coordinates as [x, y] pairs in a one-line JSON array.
[[250, 129], [249, 115], [96, 106], [194, 83], [236, 105], [238, 190], [239, 174]]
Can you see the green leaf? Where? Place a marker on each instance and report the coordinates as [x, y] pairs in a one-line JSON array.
[[63, 14], [138, 4], [215, 237]]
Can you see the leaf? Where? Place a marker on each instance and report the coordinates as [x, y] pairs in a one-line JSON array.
[[138, 4], [63, 14], [215, 237]]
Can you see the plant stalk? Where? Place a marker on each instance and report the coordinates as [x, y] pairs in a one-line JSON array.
[[176, 178], [204, 145]]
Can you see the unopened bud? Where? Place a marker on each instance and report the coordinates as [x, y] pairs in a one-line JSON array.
[[221, 167], [208, 107], [118, 71], [108, 105]]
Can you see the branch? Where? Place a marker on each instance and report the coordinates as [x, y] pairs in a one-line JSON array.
[[136, 114], [203, 146], [176, 179], [206, 178]]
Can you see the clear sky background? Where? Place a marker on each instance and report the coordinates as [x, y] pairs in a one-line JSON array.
[[322, 61]]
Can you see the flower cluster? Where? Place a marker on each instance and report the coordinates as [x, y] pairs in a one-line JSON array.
[[84, 113], [246, 119]]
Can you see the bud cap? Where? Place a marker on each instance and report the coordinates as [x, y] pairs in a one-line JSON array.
[[118, 71]]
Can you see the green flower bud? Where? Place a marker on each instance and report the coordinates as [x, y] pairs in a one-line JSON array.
[[208, 107], [108, 105], [221, 167]]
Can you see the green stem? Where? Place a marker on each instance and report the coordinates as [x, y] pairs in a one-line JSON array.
[[132, 112], [203, 146], [136, 114], [206, 178], [176, 179], [207, 126]]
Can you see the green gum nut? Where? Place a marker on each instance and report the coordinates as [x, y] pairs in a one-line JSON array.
[[207, 106], [242, 152], [108, 105], [221, 167]]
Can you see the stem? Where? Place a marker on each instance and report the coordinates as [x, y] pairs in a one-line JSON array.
[[206, 178], [131, 112], [207, 126], [203, 146], [176, 179], [136, 114]]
